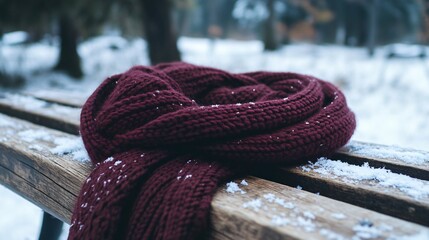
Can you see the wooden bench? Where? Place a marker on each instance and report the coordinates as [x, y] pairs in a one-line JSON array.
[[323, 200]]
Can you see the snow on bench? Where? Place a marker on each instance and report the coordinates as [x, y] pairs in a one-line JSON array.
[[67, 98], [48, 166], [49, 114]]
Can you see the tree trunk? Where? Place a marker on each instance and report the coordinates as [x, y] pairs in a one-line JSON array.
[[270, 41], [160, 34], [69, 60], [373, 9]]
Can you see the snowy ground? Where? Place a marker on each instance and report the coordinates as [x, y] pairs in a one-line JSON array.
[[389, 97]]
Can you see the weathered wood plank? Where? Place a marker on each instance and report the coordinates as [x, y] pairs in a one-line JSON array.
[[412, 162], [366, 193], [300, 214], [20, 145], [29, 167], [41, 112], [66, 98], [30, 191], [345, 191]]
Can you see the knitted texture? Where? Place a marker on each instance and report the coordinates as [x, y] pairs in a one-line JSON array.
[[163, 139]]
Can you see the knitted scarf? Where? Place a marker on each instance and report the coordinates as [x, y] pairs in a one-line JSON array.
[[163, 138]]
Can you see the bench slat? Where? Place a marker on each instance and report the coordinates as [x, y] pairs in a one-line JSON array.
[[52, 115], [32, 193], [66, 98], [414, 163], [367, 194], [310, 217], [52, 182]]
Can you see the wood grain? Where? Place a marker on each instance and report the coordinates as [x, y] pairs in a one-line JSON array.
[[52, 182], [367, 194], [261, 226]]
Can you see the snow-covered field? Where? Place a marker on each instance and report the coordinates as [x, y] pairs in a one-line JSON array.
[[389, 97]]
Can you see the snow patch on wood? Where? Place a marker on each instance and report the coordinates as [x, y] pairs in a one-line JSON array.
[[4, 122], [31, 135], [314, 221], [73, 146], [32, 103], [233, 187], [412, 187], [410, 156]]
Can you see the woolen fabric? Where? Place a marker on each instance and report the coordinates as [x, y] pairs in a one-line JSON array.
[[164, 138]]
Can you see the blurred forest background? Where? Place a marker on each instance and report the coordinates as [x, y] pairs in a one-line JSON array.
[[65, 24]]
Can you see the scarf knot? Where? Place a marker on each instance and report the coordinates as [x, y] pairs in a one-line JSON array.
[[164, 137]]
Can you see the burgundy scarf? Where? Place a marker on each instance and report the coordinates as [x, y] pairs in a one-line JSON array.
[[163, 139]]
